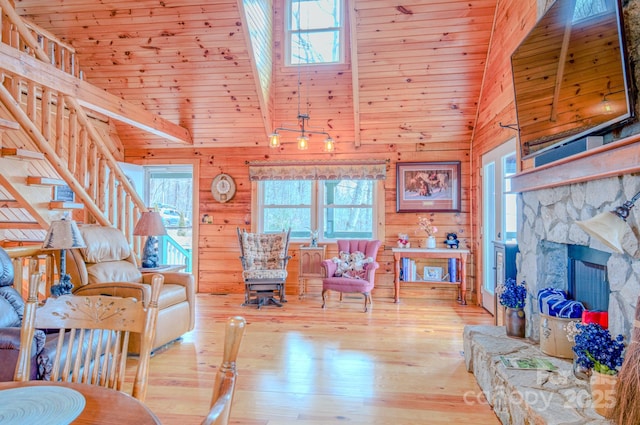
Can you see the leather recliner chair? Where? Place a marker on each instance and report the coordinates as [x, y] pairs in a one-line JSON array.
[[107, 265]]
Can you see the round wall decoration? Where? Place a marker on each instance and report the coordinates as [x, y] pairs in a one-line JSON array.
[[223, 188]]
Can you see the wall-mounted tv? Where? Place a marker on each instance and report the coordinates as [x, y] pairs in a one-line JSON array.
[[571, 76]]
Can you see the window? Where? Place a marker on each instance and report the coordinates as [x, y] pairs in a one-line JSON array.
[[314, 31], [339, 209]]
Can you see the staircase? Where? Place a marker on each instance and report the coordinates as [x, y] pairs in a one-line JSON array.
[[48, 141]]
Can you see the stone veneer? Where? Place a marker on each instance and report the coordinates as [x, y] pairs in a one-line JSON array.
[[547, 219], [524, 397]]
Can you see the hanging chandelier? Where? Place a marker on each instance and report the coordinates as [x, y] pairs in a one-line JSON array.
[[303, 138]]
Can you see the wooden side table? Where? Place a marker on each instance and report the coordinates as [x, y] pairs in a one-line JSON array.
[[309, 266], [459, 254]]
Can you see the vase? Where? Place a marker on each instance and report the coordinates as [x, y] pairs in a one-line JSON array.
[[515, 322], [581, 372], [431, 242], [603, 397]]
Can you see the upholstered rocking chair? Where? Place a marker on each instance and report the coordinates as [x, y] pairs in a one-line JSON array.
[[264, 258], [353, 271]]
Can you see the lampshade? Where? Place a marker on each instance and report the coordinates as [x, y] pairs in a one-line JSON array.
[[150, 224], [608, 228], [63, 234]]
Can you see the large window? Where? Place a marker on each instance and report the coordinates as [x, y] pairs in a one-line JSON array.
[[339, 209], [314, 31]]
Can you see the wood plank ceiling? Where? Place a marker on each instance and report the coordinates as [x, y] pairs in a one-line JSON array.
[[417, 77]]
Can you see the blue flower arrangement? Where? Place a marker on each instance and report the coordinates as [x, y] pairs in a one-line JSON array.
[[512, 294], [596, 349]]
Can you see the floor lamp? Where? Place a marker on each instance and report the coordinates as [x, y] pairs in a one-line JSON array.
[[63, 234], [150, 225]]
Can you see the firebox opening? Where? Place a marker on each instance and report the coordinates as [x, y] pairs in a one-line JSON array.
[[587, 277]]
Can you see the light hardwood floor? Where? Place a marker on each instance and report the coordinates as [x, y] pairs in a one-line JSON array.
[[397, 364]]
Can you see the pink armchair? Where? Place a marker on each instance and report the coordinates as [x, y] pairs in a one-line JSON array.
[[353, 280]]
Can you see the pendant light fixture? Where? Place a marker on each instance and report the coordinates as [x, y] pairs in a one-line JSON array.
[[303, 119]]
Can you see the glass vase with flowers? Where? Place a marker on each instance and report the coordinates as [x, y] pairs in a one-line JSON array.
[[426, 225]]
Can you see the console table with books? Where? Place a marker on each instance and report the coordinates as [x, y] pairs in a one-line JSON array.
[[459, 255]]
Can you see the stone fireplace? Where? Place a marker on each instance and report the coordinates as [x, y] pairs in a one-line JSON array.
[[547, 228]]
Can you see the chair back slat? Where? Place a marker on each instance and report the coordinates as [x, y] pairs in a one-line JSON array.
[[93, 335]]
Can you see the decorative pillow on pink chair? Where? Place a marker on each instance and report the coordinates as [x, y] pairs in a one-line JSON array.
[[351, 265]]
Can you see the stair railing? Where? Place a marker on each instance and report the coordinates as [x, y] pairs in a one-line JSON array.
[[69, 141]]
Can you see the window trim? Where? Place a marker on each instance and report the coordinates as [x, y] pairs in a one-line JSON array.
[[289, 31], [377, 208]]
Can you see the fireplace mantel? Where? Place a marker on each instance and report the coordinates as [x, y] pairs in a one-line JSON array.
[[613, 159]]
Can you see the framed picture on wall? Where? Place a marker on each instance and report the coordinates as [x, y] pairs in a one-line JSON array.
[[428, 186]]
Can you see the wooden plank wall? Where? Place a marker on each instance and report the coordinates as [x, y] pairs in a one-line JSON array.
[[514, 19], [218, 250]]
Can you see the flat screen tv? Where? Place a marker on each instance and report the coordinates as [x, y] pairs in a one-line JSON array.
[[571, 76]]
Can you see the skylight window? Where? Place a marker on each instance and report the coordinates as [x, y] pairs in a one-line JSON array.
[[314, 32]]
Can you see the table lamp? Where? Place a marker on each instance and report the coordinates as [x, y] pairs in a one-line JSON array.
[[150, 225], [63, 234]]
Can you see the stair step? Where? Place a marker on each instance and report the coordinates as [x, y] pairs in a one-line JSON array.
[[9, 203], [45, 181], [10, 125], [24, 225], [63, 205], [21, 153]]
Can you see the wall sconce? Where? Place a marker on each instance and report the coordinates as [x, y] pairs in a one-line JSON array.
[[150, 225], [610, 227]]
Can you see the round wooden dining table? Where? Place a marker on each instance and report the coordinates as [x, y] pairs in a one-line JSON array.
[[102, 405]]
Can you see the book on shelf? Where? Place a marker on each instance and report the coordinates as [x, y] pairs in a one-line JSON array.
[[408, 270], [453, 270]]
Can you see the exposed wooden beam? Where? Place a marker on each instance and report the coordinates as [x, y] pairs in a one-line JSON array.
[[91, 97]]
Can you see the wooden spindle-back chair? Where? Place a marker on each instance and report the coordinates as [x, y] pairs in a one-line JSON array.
[[101, 326]]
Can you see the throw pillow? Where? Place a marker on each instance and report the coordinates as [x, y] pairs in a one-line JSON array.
[[351, 264]]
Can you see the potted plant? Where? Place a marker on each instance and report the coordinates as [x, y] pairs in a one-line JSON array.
[[426, 225], [595, 349], [513, 295]]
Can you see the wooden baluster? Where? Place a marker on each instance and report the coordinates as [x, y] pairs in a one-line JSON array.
[[45, 128], [31, 101], [120, 209], [72, 144], [92, 169], [110, 204], [83, 149], [102, 187], [60, 113]]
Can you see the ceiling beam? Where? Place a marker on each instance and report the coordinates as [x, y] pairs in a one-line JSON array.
[[90, 96]]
